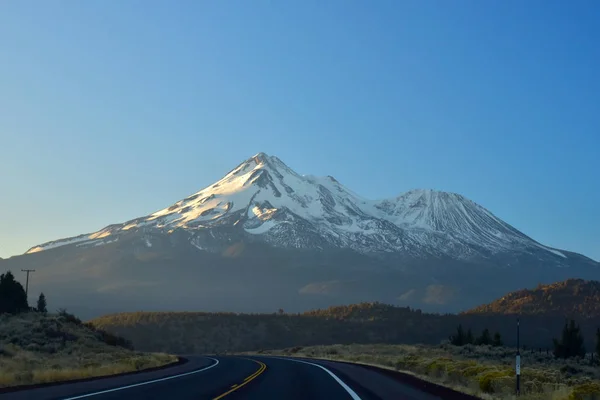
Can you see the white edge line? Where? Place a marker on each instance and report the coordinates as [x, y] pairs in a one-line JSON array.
[[351, 392], [145, 383]]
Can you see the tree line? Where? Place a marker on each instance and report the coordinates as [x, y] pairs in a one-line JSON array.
[[570, 344], [462, 338], [13, 299], [354, 323]]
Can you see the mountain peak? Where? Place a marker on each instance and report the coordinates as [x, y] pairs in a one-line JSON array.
[[432, 194], [262, 161], [261, 158]]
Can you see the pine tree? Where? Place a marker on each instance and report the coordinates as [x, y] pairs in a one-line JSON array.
[[41, 304], [485, 338], [497, 342], [12, 295], [459, 338], [577, 347], [469, 339], [598, 342], [571, 343], [560, 350]]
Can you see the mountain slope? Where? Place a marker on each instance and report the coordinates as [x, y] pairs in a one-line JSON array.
[[573, 297], [265, 234]]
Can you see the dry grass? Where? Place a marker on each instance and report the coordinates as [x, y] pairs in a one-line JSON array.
[[35, 348], [483, 371]]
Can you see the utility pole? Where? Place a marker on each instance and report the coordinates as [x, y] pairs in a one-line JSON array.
[[518, 363], [27, 281]]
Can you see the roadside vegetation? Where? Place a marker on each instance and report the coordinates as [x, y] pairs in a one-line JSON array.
[[37, 347], [485, 371], [481, 365], [473, 358], [478, 357]]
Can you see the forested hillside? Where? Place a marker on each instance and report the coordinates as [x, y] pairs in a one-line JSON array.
[[183, 332], [575, 298]]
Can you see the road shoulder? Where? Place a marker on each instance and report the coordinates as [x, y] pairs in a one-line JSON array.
[[95, 384], [379, 382]]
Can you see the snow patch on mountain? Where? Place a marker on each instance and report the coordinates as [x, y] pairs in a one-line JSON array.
[[262, 228], [558, 253], [59, 243]]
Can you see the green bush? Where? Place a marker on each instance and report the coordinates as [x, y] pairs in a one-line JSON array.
[[407, 362], [474, 370], [439, 366], [488, 378], [586, 391]]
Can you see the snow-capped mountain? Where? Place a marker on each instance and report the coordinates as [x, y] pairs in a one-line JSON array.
[[262, 199], [265, 236]]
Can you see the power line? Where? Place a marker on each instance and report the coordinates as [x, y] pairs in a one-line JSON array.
[[27, 281]]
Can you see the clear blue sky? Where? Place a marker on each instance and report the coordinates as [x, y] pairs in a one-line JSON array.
[[111, 109]]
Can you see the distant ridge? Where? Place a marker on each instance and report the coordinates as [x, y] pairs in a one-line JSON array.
[[573, 298]]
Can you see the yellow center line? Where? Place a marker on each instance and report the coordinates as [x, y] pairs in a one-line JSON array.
[[248, 379], [254, 375], [257, 373]]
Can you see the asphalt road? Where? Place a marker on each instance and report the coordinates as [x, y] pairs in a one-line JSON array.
[[236, 378]]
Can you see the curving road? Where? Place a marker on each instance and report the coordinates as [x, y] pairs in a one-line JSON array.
[[236, 378]]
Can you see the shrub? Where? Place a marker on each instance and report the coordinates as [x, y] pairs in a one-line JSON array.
[[4, 352], [586, 391], [68, 317], [114, 340], [570, 370], [439, 366]]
